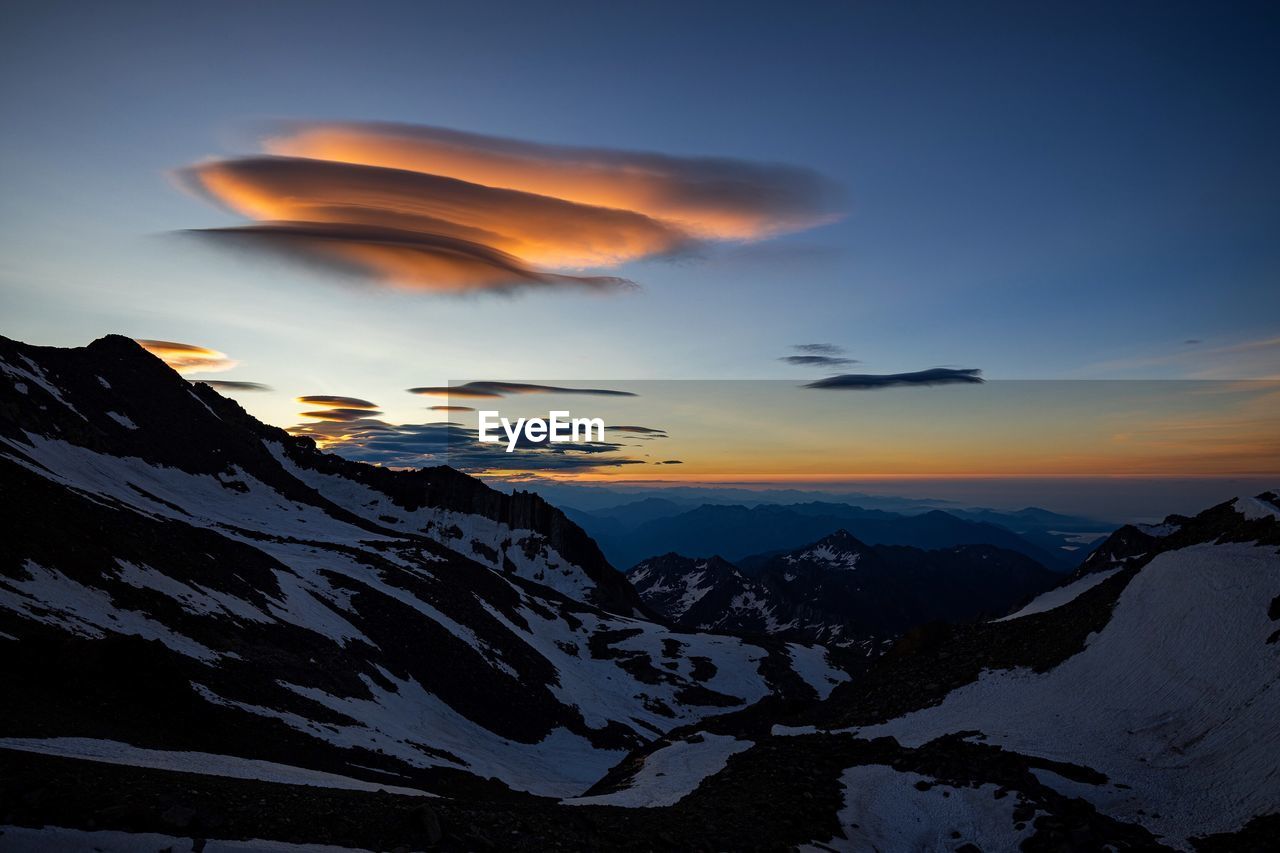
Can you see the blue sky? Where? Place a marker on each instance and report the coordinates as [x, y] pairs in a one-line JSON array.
[[1036, 190]]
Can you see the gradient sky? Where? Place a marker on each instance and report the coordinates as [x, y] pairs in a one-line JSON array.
[[1041, 191]]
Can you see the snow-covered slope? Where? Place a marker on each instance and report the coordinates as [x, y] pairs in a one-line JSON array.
[[1175, 704], [1157, 709], [208, 629], [290, 607]]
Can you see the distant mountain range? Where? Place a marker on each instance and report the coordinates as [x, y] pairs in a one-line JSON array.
[[635, 531], [839, 590]]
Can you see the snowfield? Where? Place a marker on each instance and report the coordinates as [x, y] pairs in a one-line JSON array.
[[1170, 699]]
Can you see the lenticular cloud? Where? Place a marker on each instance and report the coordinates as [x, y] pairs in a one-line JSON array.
[[438, 210]]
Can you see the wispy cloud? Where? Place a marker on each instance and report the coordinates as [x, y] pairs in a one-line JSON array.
[[335, 409], [819, 349], [818, 355], [436, 209], [340, 402], [817, 360], [188, 358], [490, 390], [340, 415], [872, 381], [1256, 358], [642, 431]]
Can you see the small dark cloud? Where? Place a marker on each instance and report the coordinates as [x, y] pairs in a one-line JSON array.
[[670, 462], [483, 390], [341, 415], [455, 391], [935, 376], [233, 386], [1193, 341], [650, 432], [819, 349], [817, 360], [450, 409], [336, 402]]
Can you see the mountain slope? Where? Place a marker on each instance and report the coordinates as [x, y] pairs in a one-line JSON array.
[[205, 637], [179, 576]]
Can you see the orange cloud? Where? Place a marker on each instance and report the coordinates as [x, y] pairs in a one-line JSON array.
[[188, 358], [540, 230], [708, 197], [438, 210], [403, 259]]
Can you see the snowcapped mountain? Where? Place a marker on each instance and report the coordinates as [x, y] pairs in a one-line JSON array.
[[178, 577], [707, 594], [213, 636], [839, 590]]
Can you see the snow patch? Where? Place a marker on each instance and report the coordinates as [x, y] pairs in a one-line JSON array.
[[811, 664], [400, 720], [123, 420], [52, 598], [671, 773], [1056, 598], [35, 374], [884, 810], [846, 560], [1254, 509]]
